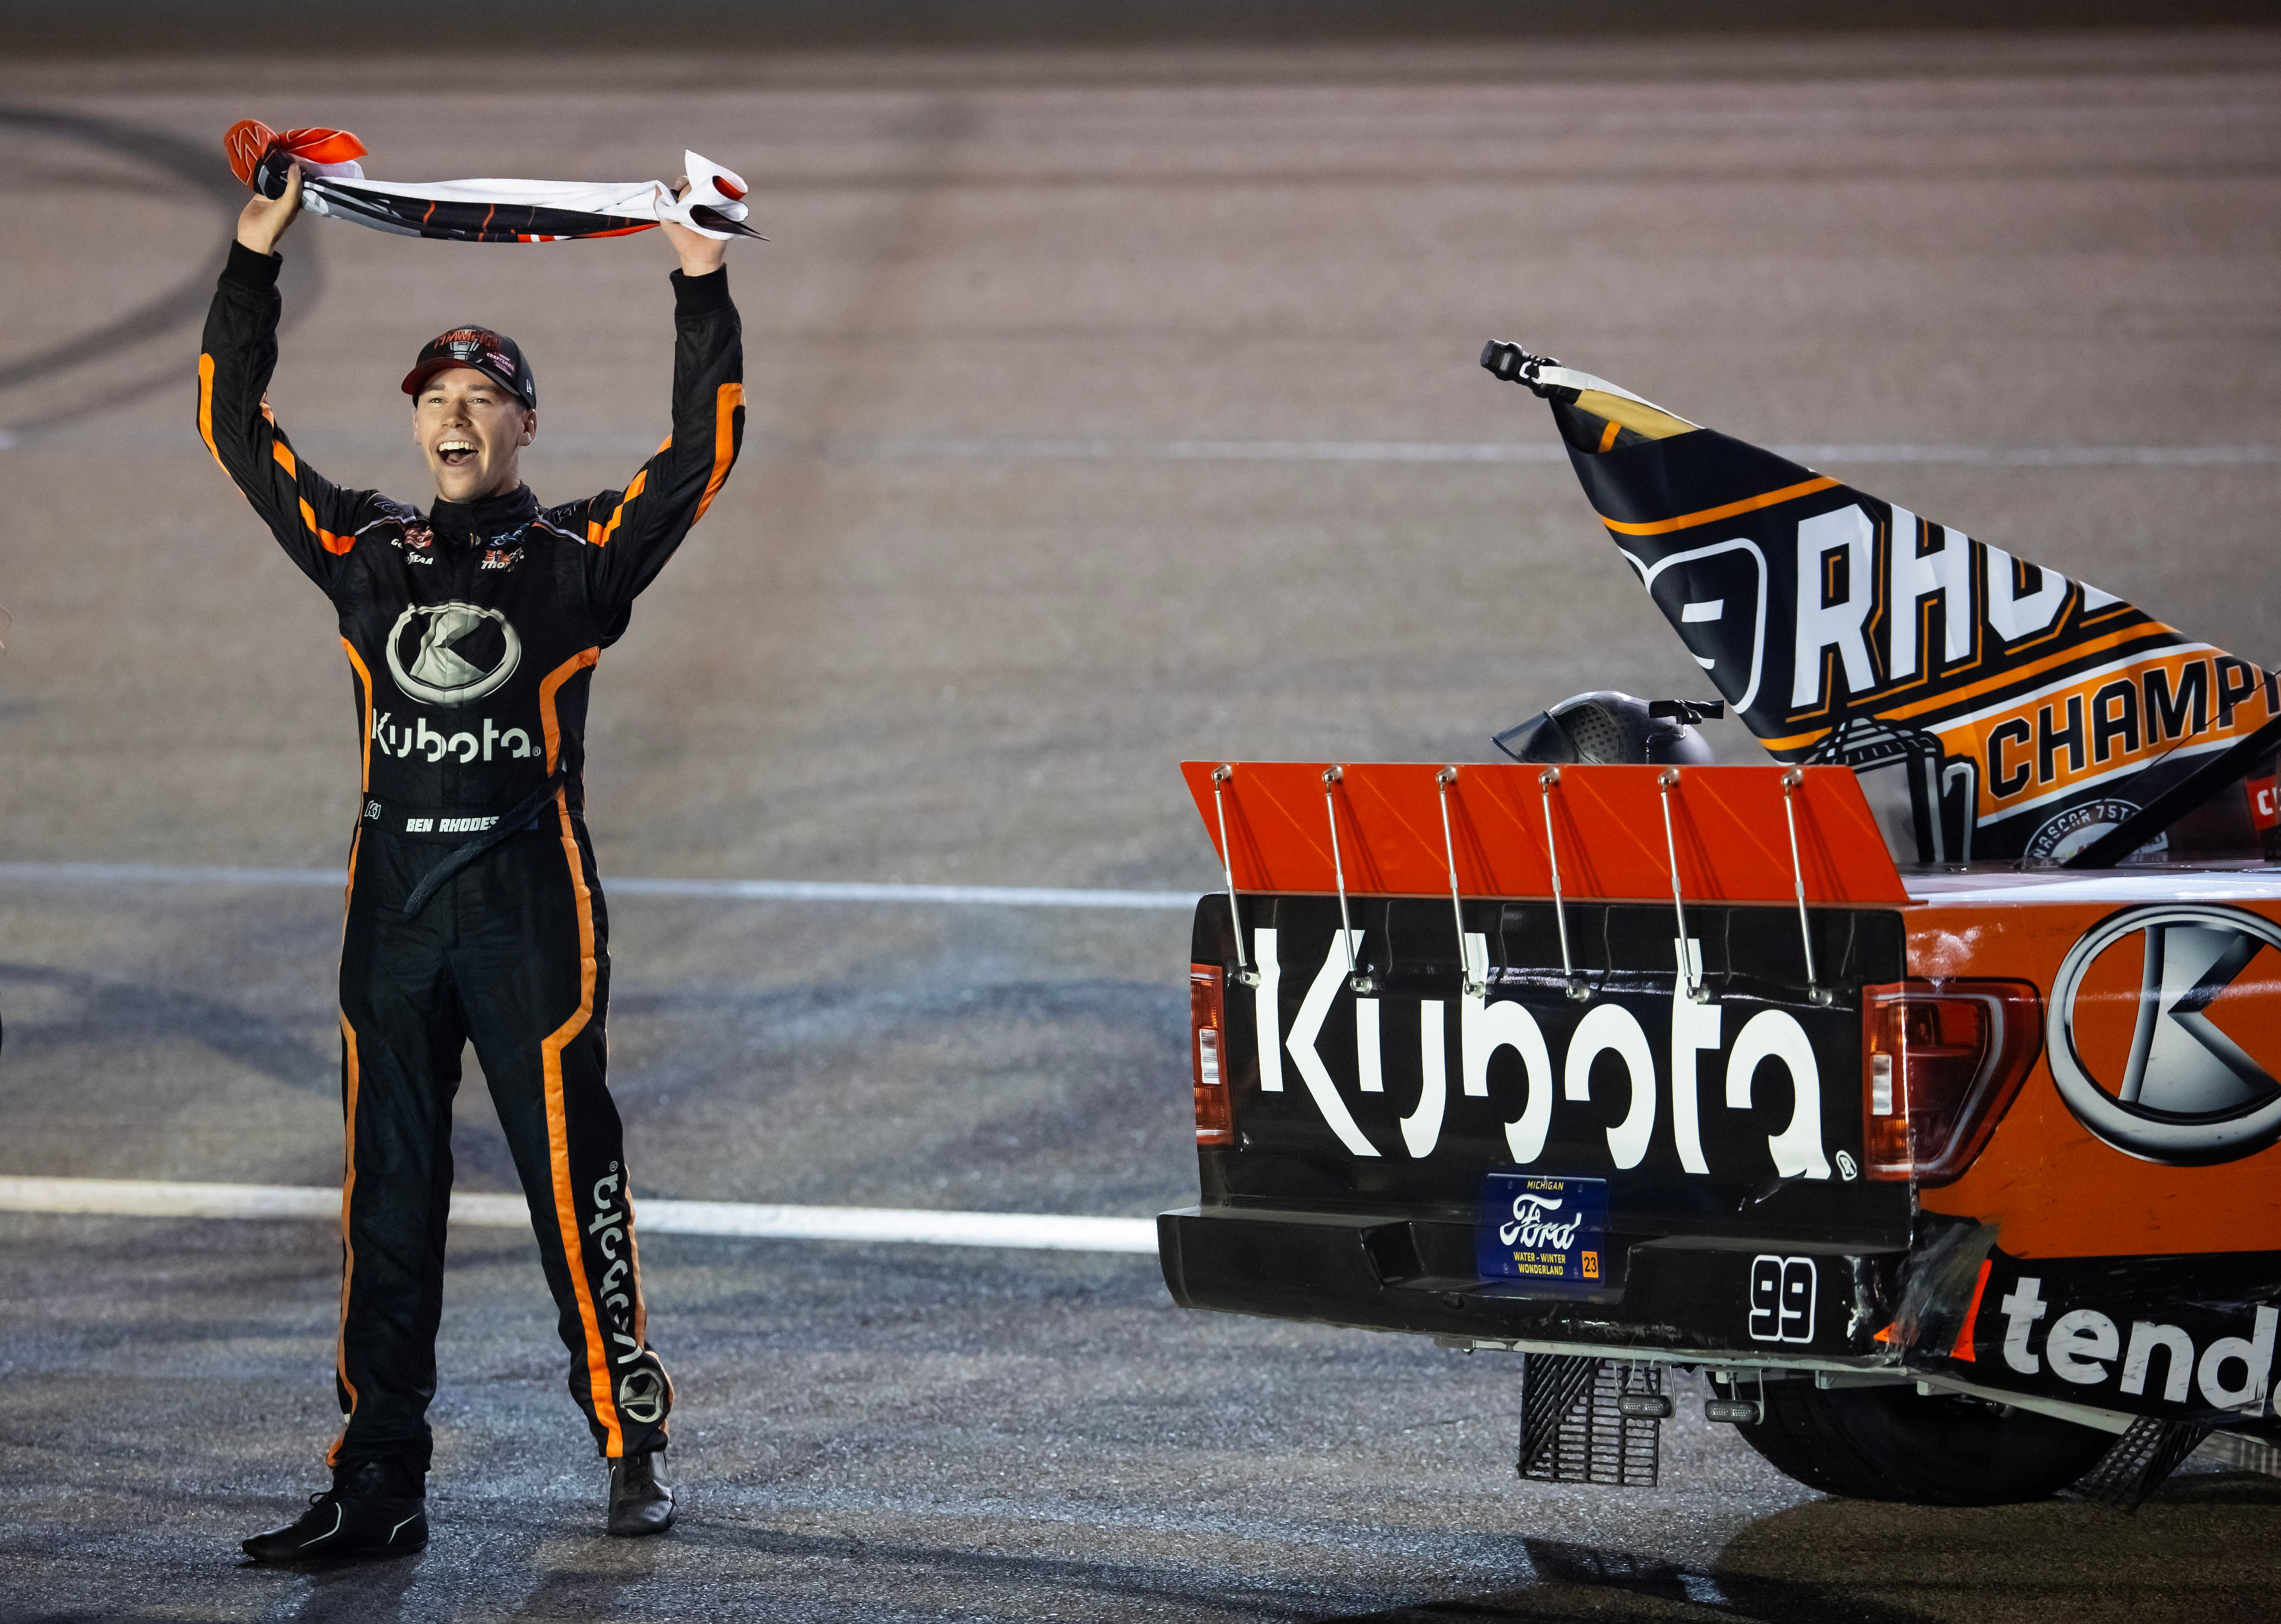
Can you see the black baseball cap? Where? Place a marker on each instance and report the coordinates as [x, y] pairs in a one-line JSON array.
[[493, 354]]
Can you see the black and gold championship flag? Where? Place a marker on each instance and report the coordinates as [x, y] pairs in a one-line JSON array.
[[1993, 708]]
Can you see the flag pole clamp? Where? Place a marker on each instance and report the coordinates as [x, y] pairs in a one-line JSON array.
[[1516, 365]]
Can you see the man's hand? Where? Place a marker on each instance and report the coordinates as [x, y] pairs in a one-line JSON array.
[[264, 219], [701, 255]]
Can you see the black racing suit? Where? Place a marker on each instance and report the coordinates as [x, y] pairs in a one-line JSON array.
[[472, 634]]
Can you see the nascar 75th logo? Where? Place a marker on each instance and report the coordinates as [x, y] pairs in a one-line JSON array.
[[1640, 1076]]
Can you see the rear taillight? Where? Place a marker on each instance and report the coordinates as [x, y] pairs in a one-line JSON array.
[[1941, 1059], [1207, 1030]]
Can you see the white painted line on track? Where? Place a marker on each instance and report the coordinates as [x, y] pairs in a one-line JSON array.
[[726, 890], [1048, 450], [161, 874], [1041, 448], [860, 890], [1018, 1231], [2041, 456]]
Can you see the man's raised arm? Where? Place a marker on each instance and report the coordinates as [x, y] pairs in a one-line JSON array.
[[637, 530], [314, 520]]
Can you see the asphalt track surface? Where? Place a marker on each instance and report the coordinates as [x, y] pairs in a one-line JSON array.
[[916, 644]]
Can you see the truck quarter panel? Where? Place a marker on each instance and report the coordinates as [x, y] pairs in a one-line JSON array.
[[2127, 1205]]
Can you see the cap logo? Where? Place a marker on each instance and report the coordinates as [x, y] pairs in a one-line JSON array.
[[477, 346]]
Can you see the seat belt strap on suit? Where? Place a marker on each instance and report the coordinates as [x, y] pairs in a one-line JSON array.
[[475, 851]]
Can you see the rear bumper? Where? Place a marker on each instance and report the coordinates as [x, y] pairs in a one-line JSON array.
[[1680, 1299]]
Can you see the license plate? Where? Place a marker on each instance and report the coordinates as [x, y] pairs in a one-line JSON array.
[[1543, 1231]]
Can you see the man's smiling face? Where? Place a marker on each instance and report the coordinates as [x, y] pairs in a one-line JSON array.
[[472, 430]]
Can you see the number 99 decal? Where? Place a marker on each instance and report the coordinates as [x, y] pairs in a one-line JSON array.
[[1782, 1299]]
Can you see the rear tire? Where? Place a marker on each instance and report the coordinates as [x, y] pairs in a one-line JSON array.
[[1894, 1443]]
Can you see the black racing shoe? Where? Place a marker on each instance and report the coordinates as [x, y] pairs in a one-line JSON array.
[[640, 1504], [379, 1509]]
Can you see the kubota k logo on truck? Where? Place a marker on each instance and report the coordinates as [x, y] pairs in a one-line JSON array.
[[2172, 1085]]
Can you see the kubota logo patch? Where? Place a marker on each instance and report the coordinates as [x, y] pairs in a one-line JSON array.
[[2139, 1034], [641, 1398], [452, 653]]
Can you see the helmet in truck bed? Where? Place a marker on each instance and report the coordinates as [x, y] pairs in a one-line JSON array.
[[1605, 729]]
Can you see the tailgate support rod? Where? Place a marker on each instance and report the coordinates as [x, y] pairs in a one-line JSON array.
[[1687, 972], [1790, 781], [1356, 980], [1472, 989], [1244, 973], [1577, 990]]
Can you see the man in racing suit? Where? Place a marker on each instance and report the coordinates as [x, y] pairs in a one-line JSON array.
[[474, 909]]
